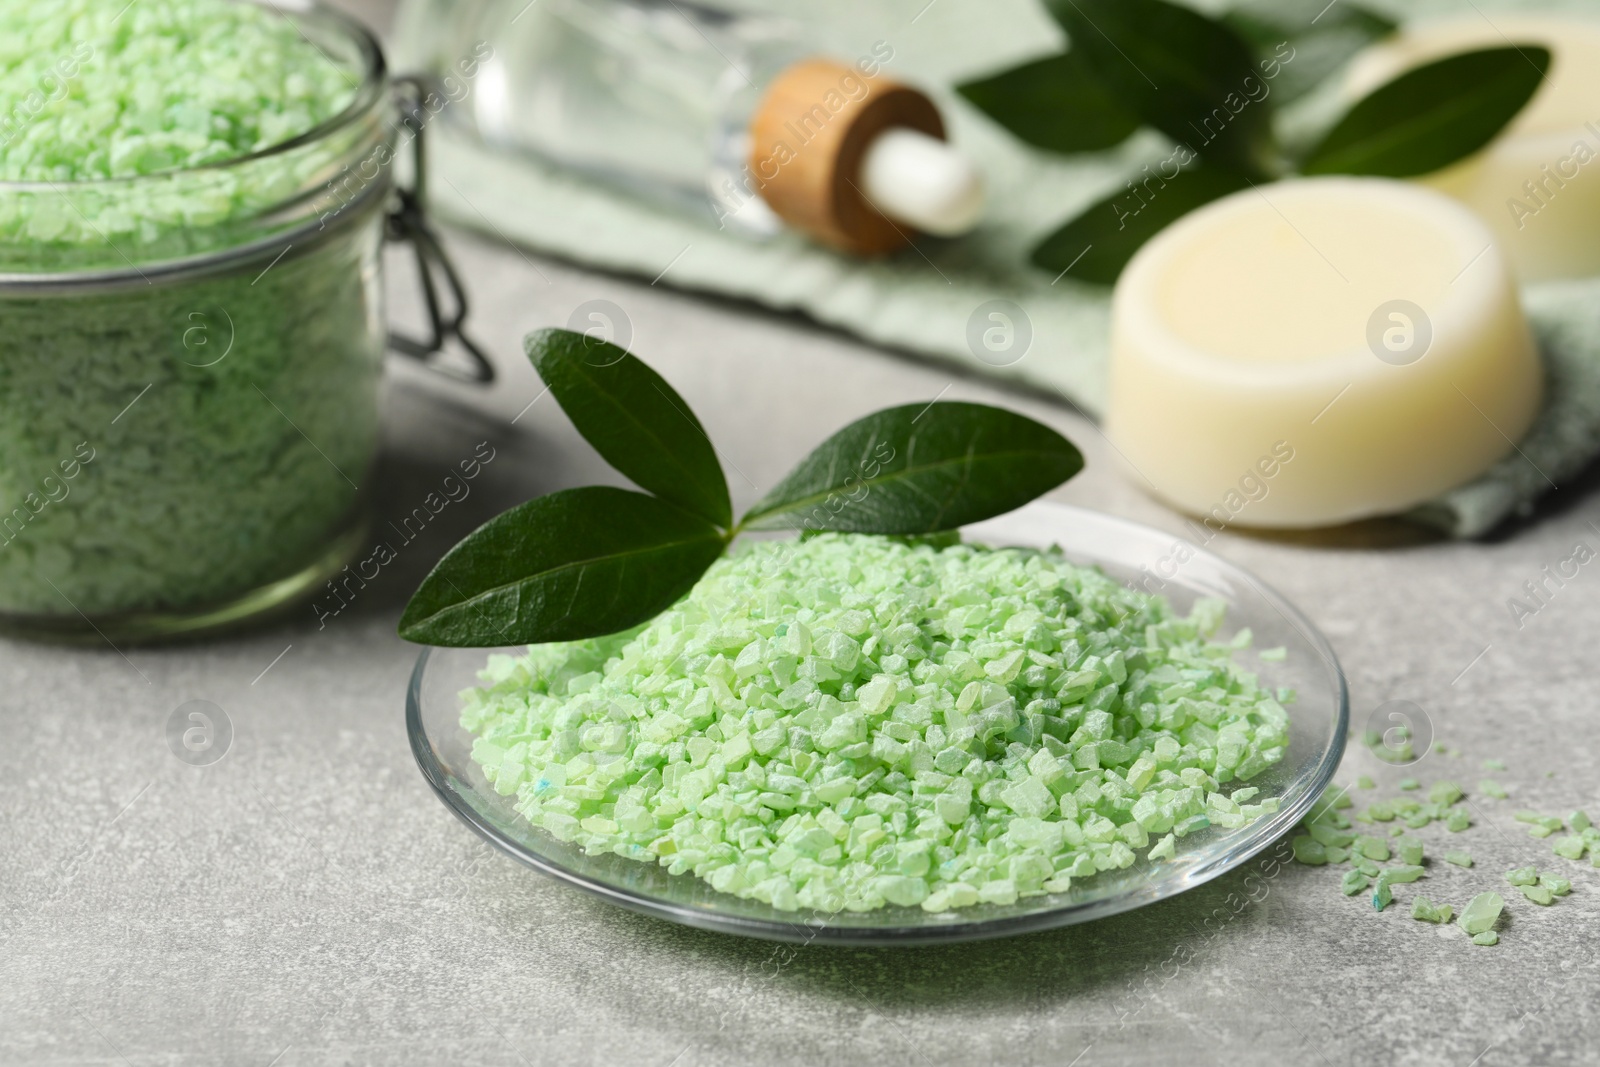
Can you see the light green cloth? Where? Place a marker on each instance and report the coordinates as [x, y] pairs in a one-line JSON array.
[[921, 300]]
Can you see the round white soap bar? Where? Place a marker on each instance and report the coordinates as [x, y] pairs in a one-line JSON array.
[[1317, 351], [1538, 184]]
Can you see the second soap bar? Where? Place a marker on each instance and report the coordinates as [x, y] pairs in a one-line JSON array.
[[1317, 351]]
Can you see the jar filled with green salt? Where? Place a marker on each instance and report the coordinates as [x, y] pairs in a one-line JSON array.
[[193, 196]]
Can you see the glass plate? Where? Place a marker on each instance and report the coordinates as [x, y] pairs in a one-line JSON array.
[[1138, 555]]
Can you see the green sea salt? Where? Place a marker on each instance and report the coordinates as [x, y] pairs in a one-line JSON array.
[[1409, 849], [1540, 825], [851, 721], [1442, 805], [1556, 884], [1399, 875], [1364, 782], [1571, 847], [96, 93], [1481, 913], [1522, 876], [1393, 746], [231, 416], [1427, 911], [1445, 793], [1373, 848], [1410, 783], [1329, 835], [1538, 894], [1491, 788], [1334, 797], [157, 85]]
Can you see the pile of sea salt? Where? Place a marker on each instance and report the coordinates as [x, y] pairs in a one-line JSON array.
[[850, 721]]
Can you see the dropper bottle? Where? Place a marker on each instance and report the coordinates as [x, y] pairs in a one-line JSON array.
[[714, 110]]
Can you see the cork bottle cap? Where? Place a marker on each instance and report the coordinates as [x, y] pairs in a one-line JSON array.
[[807, 140]]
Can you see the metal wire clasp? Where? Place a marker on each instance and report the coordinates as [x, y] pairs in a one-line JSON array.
[[408, 222]]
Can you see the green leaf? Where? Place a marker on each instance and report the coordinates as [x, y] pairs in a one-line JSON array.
[[1189, 76], [1056, 103], [1095, 246], [577, 563], [1299, 43], [1431, 116], [919, 469], [634, 419]]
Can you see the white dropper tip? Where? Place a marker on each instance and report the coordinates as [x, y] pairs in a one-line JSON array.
[[922, 181]]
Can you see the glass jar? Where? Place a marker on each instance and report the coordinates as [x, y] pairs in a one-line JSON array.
[[189, 368]]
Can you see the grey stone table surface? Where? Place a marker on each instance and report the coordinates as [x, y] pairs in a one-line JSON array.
[[306, 899]]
